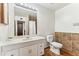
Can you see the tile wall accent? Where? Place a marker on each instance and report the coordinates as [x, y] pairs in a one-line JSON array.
[[70, 41]]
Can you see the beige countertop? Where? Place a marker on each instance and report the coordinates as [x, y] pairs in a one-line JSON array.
[[21, 39]]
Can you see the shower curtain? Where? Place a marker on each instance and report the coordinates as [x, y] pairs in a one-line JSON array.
[[32, 28]]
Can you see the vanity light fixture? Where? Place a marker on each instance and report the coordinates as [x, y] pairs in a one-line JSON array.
[[24, 5]]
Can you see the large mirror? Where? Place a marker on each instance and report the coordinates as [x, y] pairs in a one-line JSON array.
[[25, 21]]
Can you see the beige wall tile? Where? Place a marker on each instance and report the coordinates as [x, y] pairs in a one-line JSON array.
[[75, 45], [76, 52], [70, 41], [67, 45], [75, 36]]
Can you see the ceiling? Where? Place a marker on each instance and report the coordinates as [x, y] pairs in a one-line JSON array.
[[53, 6]]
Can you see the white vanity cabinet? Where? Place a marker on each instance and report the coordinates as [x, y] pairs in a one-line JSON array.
[[29, 51], [12, 53], [30, 48]]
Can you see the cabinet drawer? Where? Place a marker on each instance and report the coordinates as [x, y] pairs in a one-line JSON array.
[[12, 53]]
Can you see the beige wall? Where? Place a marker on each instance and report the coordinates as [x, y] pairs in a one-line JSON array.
[[66, 17]]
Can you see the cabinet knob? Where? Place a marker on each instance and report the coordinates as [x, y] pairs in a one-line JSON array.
[[30, 50], [12, 55], [41, 52], [40, 45]]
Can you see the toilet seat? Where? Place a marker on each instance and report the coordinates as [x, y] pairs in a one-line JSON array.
[[56, 44]]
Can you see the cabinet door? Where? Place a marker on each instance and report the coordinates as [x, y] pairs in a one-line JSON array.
[[40, 49], [24, 51], [32, 50], [29, 51], [12, 53]]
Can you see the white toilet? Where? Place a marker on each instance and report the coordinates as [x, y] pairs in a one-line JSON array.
[[54, 46]]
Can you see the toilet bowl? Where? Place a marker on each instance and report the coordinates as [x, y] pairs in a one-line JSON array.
[[54, 46]]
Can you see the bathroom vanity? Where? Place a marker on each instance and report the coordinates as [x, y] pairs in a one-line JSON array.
[[22, 22], [23, 47]]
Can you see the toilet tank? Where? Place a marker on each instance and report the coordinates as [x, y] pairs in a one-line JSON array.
[[49, 38]]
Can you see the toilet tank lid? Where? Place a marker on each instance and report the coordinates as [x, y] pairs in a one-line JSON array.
[[50, 38], [49, 35]]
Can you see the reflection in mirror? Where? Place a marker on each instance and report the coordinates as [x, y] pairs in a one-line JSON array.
[[32, 24], [25, 22], [1, 13], [4, 13]]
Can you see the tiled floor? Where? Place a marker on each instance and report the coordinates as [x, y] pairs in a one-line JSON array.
[[47, 52]]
